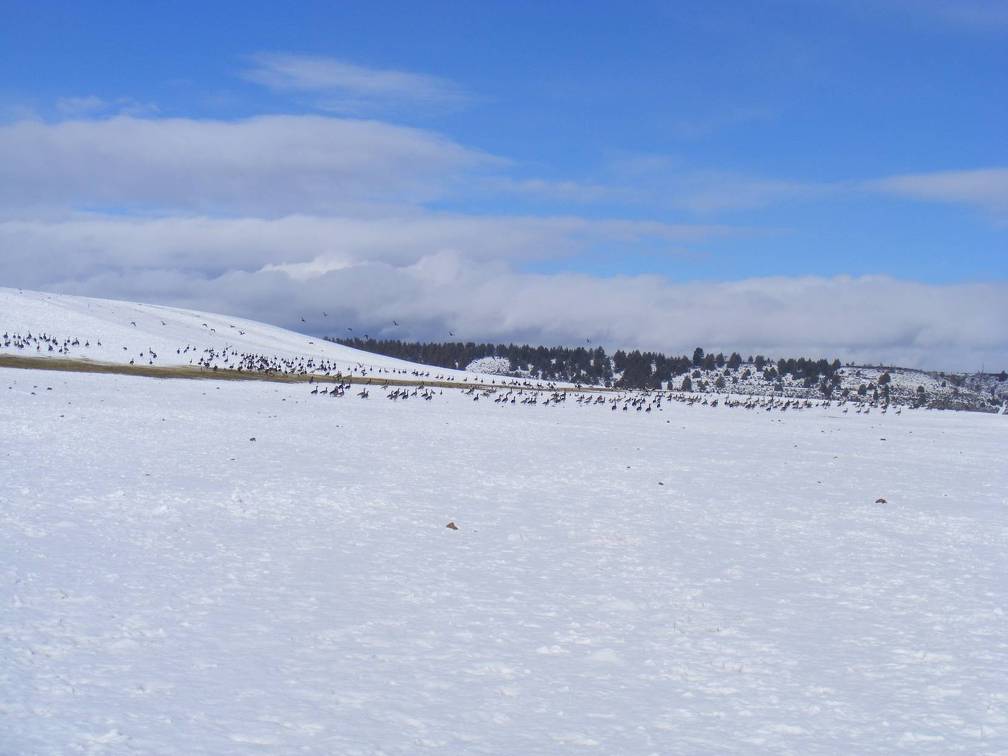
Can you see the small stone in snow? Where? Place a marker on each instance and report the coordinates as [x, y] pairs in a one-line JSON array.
[[880, 500], [452, 526]]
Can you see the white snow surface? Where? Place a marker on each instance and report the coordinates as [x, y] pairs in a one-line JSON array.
[[490, 366], [689, 580], [117, 332]]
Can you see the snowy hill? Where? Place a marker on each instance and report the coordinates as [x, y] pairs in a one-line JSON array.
[[907, 386], [120, 332]]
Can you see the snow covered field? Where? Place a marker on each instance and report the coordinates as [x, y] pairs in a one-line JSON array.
[[689, 580]]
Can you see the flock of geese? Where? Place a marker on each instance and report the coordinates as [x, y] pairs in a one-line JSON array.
[[644, 401], [229, 358], [336, 380], [43, 342]]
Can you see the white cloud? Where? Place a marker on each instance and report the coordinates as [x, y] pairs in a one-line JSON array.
[[38, 251], [984, 188], [269, 164], [435, 274], [275, 216], [346, 87]]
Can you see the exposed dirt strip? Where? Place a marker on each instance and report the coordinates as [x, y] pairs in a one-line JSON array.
[[193, 372]]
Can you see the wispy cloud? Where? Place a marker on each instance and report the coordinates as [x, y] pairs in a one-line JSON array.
[[979, 15], [552, 190], [982, 188], [716, 191], [340, 86], [704, 126], [663, 180], [92, 105], [78, 106], [949, 16]]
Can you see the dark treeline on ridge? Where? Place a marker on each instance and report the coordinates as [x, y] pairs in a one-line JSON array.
[[592, 365]]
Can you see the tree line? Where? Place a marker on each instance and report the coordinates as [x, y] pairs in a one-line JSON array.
[[585, 365]]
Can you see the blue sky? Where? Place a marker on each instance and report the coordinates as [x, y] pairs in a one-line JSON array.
[[603, 147]]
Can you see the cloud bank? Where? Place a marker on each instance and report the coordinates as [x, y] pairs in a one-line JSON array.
[[455, 273], [279, 217]]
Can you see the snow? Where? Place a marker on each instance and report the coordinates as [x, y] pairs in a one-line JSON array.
[[693, 579], [984, 392], [490, 366], [117, 332]]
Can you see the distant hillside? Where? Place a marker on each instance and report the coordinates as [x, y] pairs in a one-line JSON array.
[[707, 372], [44, 325]]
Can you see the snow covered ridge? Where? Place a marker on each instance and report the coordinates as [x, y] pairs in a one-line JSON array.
[[40, 324], [983, 392]]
